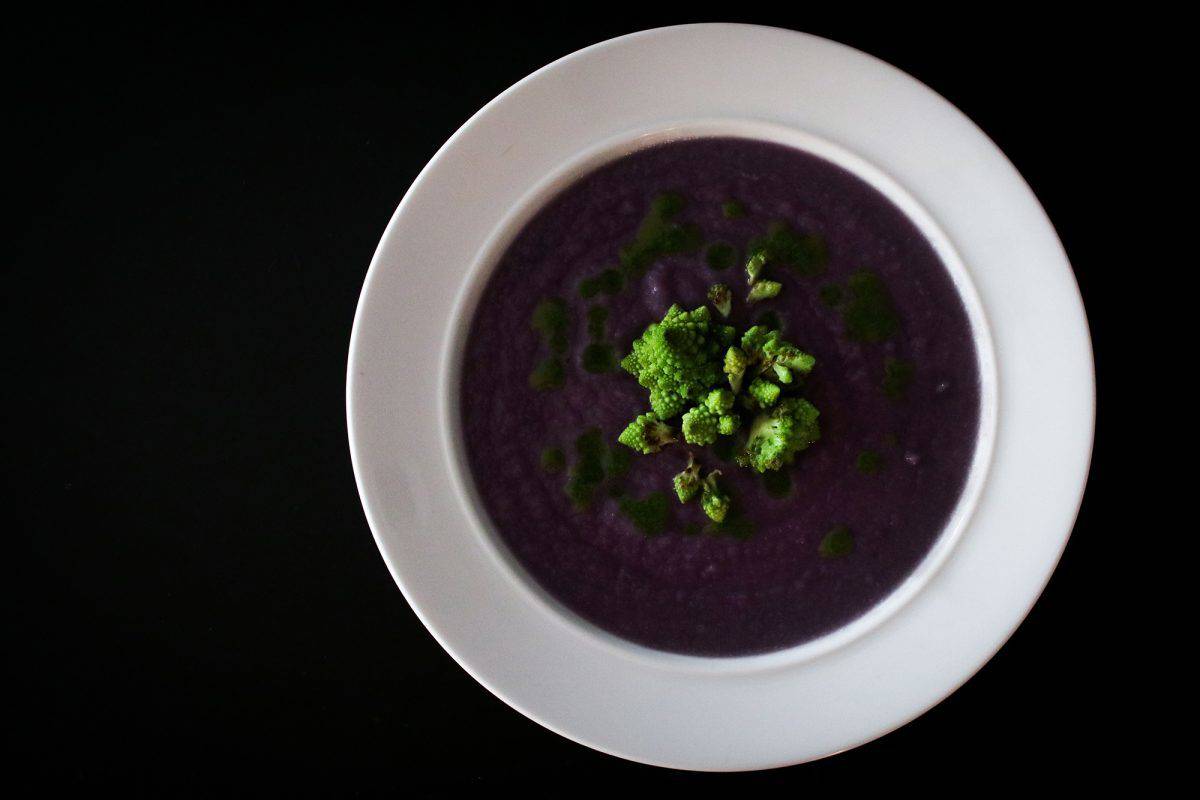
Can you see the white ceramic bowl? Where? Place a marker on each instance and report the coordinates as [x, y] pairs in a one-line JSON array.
[[933, 631]]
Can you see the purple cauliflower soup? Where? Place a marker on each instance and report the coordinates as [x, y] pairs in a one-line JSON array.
[[767, 555]]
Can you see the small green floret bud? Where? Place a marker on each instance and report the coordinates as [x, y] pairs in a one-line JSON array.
[[688, 483], [714, 501], [755, 339], [727, 424], [787, 355], [735, 367], [700, 426], [764, 290], [719, 401], [647, 434], [721, 298], [764, 392], [755, 265]]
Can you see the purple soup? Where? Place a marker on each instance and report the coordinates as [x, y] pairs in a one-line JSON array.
[[809, 548]]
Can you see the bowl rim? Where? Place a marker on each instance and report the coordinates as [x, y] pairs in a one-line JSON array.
[[1046, 383]]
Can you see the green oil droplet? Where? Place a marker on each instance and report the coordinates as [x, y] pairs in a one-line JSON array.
[[837, 543]]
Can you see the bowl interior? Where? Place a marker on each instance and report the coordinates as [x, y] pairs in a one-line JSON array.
[[502, 236]]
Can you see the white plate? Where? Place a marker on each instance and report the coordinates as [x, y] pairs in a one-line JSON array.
[[940, 626]]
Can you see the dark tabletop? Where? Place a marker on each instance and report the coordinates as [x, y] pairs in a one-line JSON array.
[[201, 601]]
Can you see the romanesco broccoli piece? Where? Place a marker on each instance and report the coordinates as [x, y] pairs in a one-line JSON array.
[[700, 425], [714, 501], [735, 367], [755, 339], [766, 352], [728, 424], [764, 290], [721, 298], [687, 483], [719, 401], [785, 358], [754, 265], [777, 435], [781, 353], [764, 392], [677, 359], [647, 434]]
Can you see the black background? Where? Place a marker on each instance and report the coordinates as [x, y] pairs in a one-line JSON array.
[[201, 602]]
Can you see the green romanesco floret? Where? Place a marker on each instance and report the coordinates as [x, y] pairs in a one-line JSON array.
[[682, 359], [700, 425], [677, 359], [784, 359], [766, 352], [721, 298], [754, 339], [714, 501], [777, 435], [735, 367], [760, 289], [719, 401], [755, 265], [764, 393], [788, 355], [647, 434], [667, 402], [687, 483], [764, 290]]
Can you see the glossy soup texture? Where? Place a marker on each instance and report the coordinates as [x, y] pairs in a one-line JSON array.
[[807, 550]]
